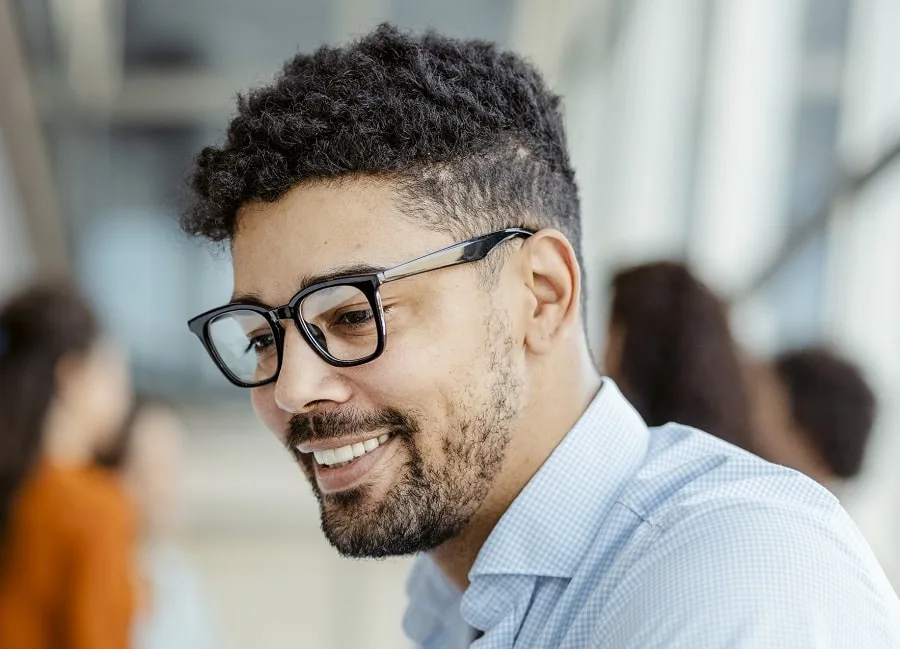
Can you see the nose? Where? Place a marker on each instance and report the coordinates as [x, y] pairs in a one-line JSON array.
[[306, 382]]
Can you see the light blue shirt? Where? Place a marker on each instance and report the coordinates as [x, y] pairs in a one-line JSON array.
[[637, 538]]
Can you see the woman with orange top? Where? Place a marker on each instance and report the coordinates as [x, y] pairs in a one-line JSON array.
[[67, 529]]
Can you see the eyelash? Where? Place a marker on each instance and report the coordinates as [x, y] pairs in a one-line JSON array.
[[385, 308]]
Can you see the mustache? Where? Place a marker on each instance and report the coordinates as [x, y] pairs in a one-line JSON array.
[[338, 423]]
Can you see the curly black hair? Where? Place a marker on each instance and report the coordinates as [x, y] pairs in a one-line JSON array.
[[679, 360], [470, 137], [832, 403]]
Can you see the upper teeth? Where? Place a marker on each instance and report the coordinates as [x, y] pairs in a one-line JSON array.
[[347, 453]]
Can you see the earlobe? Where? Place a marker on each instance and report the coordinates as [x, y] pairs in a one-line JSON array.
[[554, 279]]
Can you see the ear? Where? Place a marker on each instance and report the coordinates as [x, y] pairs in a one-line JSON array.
[[553, 279]]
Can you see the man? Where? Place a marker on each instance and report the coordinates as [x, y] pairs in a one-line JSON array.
[[815, 413], [404, 226]]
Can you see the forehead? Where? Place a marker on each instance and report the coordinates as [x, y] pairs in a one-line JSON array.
[[317, 229]]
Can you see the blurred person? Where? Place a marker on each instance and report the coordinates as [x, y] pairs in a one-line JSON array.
[[815, 413], [67, 528], [404, 227], [671, 351], [148, 454]]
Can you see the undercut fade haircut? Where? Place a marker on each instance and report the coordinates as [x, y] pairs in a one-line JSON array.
[[470, 137]]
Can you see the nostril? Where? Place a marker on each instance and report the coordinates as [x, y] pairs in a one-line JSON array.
[[315, 406]]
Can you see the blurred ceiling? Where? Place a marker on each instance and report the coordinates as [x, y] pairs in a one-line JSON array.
[[151, 61], [182, 60]]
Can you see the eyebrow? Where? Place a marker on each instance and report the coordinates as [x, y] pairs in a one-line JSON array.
[[309, 280]]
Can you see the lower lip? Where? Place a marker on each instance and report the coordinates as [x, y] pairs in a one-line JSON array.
[[346, 477]]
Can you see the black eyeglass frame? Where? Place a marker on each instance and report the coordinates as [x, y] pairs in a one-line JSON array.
[[460, 253]]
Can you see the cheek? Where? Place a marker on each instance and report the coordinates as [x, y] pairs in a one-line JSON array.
[[440, 339], [268, 412], [407, 374], [425, 373], [446, 342]]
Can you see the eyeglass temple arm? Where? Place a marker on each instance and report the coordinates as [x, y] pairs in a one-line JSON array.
[[460, 253]]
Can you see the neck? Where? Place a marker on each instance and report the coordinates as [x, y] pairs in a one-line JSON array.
[[542, 427], [64, 436]]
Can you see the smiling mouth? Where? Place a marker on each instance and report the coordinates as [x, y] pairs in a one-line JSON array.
[[341, 456]]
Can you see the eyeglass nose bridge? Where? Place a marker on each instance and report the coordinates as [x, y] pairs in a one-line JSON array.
[[307, 331], [282, 313], [287, 312]]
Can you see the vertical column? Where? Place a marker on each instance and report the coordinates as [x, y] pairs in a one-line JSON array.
[[630, 123], [864, 280], [652, 87], [746, 143]]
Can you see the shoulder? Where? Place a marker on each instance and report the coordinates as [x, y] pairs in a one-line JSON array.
[[690, 473], [86, 503], [732, 546], [107, 509], [753, 575], [701, 496]]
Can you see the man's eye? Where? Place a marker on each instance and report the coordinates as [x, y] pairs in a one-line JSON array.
[[260, 343], [354, 318]]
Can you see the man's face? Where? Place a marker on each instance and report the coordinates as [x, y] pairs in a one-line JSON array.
[[429, 420]]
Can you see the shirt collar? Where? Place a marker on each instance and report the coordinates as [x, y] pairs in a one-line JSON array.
[[433, 603], [554, 520]]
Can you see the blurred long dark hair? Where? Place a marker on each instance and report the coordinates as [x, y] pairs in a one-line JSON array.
[[38, 328], [679, 361]]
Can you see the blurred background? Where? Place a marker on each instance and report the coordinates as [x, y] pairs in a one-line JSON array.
[[757, 139]]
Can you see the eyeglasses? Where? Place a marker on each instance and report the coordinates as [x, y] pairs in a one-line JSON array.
[[341, 319]]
